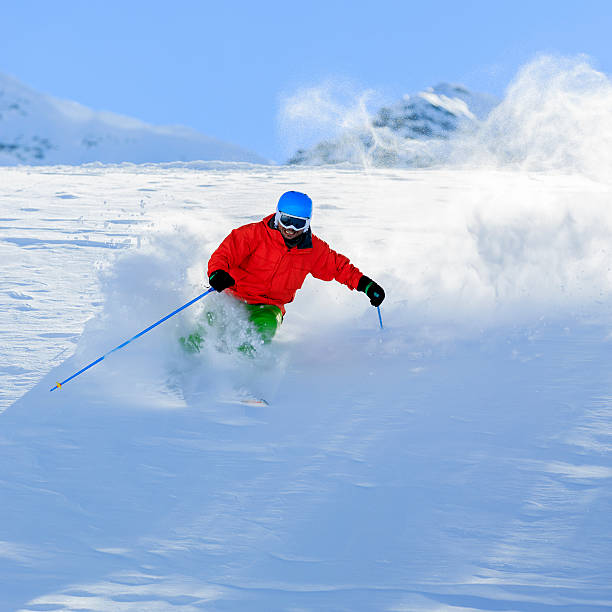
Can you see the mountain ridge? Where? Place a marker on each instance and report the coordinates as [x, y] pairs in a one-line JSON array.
[[38, 129]]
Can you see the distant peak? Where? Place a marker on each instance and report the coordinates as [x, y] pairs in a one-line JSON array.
[[37, 128], [396, 133]]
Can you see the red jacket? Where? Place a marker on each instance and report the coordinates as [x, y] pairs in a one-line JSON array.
[[266, 271]]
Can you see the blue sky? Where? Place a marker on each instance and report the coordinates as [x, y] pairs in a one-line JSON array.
[[224, 67]]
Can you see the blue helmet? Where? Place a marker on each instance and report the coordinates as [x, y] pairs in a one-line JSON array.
[[295, 204]]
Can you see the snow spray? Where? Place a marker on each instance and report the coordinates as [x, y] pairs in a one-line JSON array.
[[142, 333], [555, 116]]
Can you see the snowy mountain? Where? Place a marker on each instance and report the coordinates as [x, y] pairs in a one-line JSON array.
[[408, 133], [38, 129]]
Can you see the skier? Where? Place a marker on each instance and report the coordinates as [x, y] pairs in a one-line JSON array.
[[263, 264]]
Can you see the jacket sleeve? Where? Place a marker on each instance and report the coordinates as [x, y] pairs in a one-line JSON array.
[[329, 265], [233, 250]]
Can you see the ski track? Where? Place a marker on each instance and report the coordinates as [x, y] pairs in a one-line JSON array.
[[457, 460]]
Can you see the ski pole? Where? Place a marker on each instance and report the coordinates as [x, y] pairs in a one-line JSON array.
[[379, 317], [142, 333]]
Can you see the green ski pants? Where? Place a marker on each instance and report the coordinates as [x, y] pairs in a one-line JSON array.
[[266, 319]]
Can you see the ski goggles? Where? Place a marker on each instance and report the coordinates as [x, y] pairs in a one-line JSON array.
[[291, 222]]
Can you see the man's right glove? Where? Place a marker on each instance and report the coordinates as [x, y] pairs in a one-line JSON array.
[[220, 280], [373, 290]]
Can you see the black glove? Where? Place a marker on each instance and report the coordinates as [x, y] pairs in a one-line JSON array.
[[373, 290], [220, 280]]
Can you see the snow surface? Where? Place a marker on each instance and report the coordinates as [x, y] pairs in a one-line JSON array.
[[457, 460]]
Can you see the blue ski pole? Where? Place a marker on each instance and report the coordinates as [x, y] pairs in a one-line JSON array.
[[379, 317], [142, 333]]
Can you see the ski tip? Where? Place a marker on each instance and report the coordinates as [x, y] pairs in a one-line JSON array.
[[246, 401], [254, 402]]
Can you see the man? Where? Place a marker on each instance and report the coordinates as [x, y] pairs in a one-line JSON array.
[[263, 264]]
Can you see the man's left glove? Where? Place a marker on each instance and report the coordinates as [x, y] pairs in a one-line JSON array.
[[373, 290], [220, 280]]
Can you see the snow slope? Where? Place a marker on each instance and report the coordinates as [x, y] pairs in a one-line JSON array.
[[457, 460], [39, 129]]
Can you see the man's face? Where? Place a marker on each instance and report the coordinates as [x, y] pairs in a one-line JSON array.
[[288, 233]]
